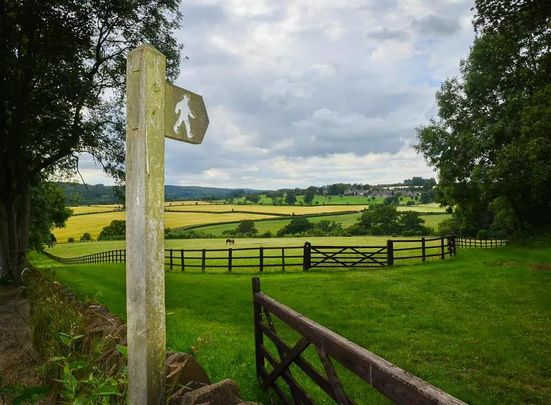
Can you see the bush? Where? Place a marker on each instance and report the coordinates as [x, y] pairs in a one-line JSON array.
[[448, 227], [116, 230], [71, 240], [246, 228], [297, 225], [86, 237], [482, 234]]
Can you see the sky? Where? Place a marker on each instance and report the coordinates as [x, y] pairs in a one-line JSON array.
[[311, 92]]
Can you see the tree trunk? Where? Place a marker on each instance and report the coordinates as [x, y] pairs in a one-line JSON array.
[[14, 233]]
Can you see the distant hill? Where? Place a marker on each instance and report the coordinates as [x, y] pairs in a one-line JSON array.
[[80, 194]]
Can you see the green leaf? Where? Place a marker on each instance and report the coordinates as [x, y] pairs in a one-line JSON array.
[[31, 394], [123, 350]]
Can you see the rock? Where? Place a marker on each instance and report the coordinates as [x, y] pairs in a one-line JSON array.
[[225, 392], [182, 370]]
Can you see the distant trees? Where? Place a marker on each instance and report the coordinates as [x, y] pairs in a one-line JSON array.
[[290, 198], [386, 220], [246, 227], [254, 198], [297, 225], [309, 195], [337, 189]]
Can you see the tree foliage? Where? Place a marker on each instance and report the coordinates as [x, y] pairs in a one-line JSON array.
[[47, 211], [62, 75], [386, 220], [116, 230], [246, 227], [296, 226], [491, 142]]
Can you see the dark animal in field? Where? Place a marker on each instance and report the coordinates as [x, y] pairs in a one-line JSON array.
[[230, 242]]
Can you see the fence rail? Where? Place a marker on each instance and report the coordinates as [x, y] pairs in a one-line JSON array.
[[287, 258], [480, 243], [390, 380]]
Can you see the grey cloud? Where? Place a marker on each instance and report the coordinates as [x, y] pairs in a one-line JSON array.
[[436, 25], [385, 33]]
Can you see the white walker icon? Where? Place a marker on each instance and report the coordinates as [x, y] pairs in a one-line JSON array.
[[185, 115]]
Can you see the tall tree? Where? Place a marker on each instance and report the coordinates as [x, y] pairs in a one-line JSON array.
[[491, 142], [62, 71]]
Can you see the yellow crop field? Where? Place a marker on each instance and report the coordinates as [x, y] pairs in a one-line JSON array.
[[94, 223], [91, 209], [186, 203], [180, 219], [273, 209], [432, 207]]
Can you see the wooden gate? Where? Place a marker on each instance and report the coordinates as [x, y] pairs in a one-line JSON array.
[[344, 256], [396, 384]]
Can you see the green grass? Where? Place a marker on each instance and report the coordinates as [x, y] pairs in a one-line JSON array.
[[84, 248], [476, 326]]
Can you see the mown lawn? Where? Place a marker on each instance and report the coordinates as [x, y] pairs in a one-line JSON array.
[[476, 326]]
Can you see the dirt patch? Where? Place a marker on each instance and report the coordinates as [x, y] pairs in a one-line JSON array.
[[18, 359], [540, 266]]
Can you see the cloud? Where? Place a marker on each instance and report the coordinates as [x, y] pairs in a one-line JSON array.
[[436, 25], [313, 92], [386, 34]]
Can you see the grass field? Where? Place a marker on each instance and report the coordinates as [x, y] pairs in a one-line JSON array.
[[476, 326], [274, 225], [80, 249]]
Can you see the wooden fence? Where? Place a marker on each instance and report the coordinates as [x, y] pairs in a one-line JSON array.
[[288, 258], [111, 256], [390, 380], [480, 243]]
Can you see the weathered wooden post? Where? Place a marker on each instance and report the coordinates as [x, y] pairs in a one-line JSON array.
[[155, 109]]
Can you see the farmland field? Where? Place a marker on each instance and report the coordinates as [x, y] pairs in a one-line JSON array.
[[476, 326], [274, 225], [328, 200], [94, 223], [93, 219], [272, 209], [92, 209]]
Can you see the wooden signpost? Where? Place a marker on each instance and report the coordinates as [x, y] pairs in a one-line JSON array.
[[155, 109]]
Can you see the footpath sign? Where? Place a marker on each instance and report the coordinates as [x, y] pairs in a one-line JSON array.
[[155, 109]]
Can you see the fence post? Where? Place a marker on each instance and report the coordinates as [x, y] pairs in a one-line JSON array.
[[203, 260], [258, 336], [442, 253], [454, 245], [423, 250], [390, 252], [230, 254], [182, 259], [261, 259], [307, 256], [283, 259], [171, 262]]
